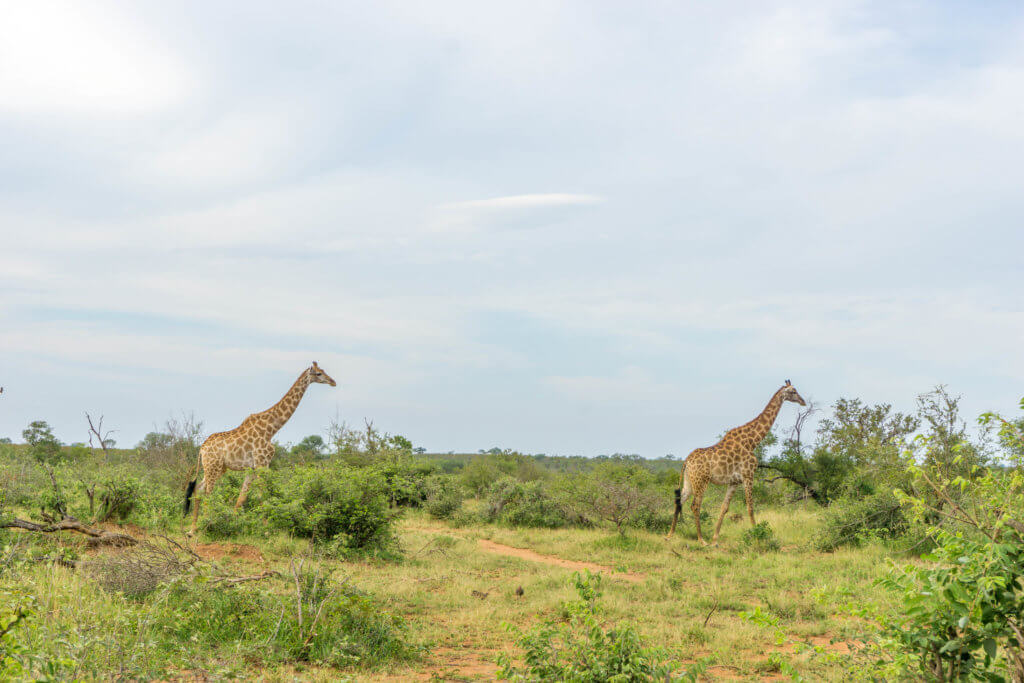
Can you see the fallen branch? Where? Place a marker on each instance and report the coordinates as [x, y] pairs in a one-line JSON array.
[[97, 537], [235, 580]]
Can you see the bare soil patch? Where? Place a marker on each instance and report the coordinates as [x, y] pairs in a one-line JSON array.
[[237, 551], [533, 556]]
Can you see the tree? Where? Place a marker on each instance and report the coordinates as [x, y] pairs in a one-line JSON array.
[[963, 611], [613, 491], [947, 446], [43, 445], [314, 443]]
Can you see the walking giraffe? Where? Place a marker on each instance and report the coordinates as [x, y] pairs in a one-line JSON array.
[[729, 462], [248, 445]]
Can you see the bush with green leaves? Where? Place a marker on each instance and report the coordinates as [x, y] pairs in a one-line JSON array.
[[615, 491], [527, 504], [43, 445], [760, 538], [848, 522], [343, 507], [321, 621], [15, 609], [575, 646], [444, 497], [962, 614]]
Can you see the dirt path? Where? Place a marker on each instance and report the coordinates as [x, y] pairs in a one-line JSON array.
[[526, 554]]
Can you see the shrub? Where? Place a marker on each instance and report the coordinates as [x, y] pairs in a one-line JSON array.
[[343, 507], [961, 616], [444, 499], [760, 538], [406, 481], [574, 646], [322, 621], [221, 520], [850, 521], [118, 497], [613, 491], [526, 504]]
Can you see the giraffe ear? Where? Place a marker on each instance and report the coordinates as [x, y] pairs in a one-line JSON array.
[[787, 381]]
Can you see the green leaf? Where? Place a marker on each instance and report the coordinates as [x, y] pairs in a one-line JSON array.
[[990, 648]]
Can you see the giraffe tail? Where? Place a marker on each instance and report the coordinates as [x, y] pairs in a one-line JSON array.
[[190, 491], [188, 494]]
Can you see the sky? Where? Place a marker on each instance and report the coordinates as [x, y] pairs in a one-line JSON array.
[[559, 227]]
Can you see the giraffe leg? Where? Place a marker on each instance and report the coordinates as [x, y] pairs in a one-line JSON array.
[[244, 493], [725, 508], [209, 479], [698, 498], [748, 493]]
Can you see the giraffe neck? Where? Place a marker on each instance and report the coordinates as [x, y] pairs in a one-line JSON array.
[[280, 412], [760, 425]]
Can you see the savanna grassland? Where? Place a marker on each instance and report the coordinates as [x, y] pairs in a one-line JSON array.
[[359, 558]]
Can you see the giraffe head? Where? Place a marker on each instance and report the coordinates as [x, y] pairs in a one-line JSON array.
[[789, 393], [318, 375]]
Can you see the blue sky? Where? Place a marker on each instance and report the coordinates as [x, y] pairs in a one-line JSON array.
[[558, 227]]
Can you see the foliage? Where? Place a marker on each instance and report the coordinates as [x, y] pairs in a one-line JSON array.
[[613, 491], [15, 609], [485, 469], [518, 503], [760, 537], [444, 497], [312, 444], [343, 507], [118, 497], [848, 522], [576, 647], [963, 614], [43, 445], [323, 621]]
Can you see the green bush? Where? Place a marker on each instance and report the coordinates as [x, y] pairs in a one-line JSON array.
[[444, 497], [351, 629], [575, 646], [962, 613], [850, 521], [528, 504], [43, 445], [220, 520], [345, 508], [760, 538], [406, 481], [118, 496]]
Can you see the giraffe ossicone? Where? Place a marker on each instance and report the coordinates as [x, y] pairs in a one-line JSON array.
[[248, 446], [729, 463]]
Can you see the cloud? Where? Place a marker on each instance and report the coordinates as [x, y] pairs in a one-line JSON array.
[[77, 58], [523, 201]]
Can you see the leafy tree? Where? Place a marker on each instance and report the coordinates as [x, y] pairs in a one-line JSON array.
[[155, 440], [43, 445], [613, 491], [963, 612], [314, 443]]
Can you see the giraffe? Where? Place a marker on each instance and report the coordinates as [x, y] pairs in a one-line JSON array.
[[729, 463], [248, 446]]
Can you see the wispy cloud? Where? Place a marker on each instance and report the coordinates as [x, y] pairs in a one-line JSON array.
[[525, 201]]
